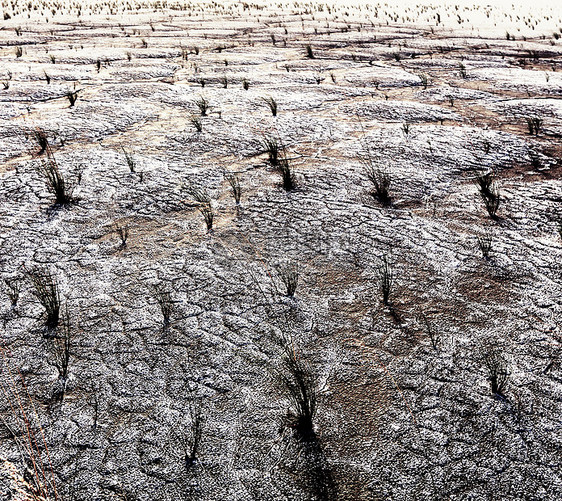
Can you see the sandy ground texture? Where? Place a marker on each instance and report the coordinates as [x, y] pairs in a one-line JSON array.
[[379, 317]]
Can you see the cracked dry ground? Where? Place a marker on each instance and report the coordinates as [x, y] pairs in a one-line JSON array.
[[404, 408]]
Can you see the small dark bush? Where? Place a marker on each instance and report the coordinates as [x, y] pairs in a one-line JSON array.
[[497, 371], [41, 139], [203, 200], [164, 299], [300, 386], [319, 78], [123, 234], [234, 182], [378, 176], [534, 124], [72, 96], [289, 275], [434, 335], [484, 182], [489, 192], [381, 181], [287, 174], [197, 123], [272, 104], [56, 183], [203, 106], [46, 290], [273, 148], [130, 160]]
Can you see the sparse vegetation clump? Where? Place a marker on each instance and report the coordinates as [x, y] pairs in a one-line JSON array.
[[72, 97], [289, 274], [202, 200], [274, 149], [46, 291], [236, 188], [534, 124], [131, 163], [123, 234], [271, 104], [42, 140], [377, 174], [381, 181], [163, 297], [434, 335], [489, 192], [203, 105], [300, 387], [497, 371], [285, 168], [55, 180], [197, 123], [277, 158]]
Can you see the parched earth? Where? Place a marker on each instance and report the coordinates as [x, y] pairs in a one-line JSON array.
[[180, 355]]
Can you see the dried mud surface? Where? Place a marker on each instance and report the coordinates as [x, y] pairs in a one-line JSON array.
[[404, 407]]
